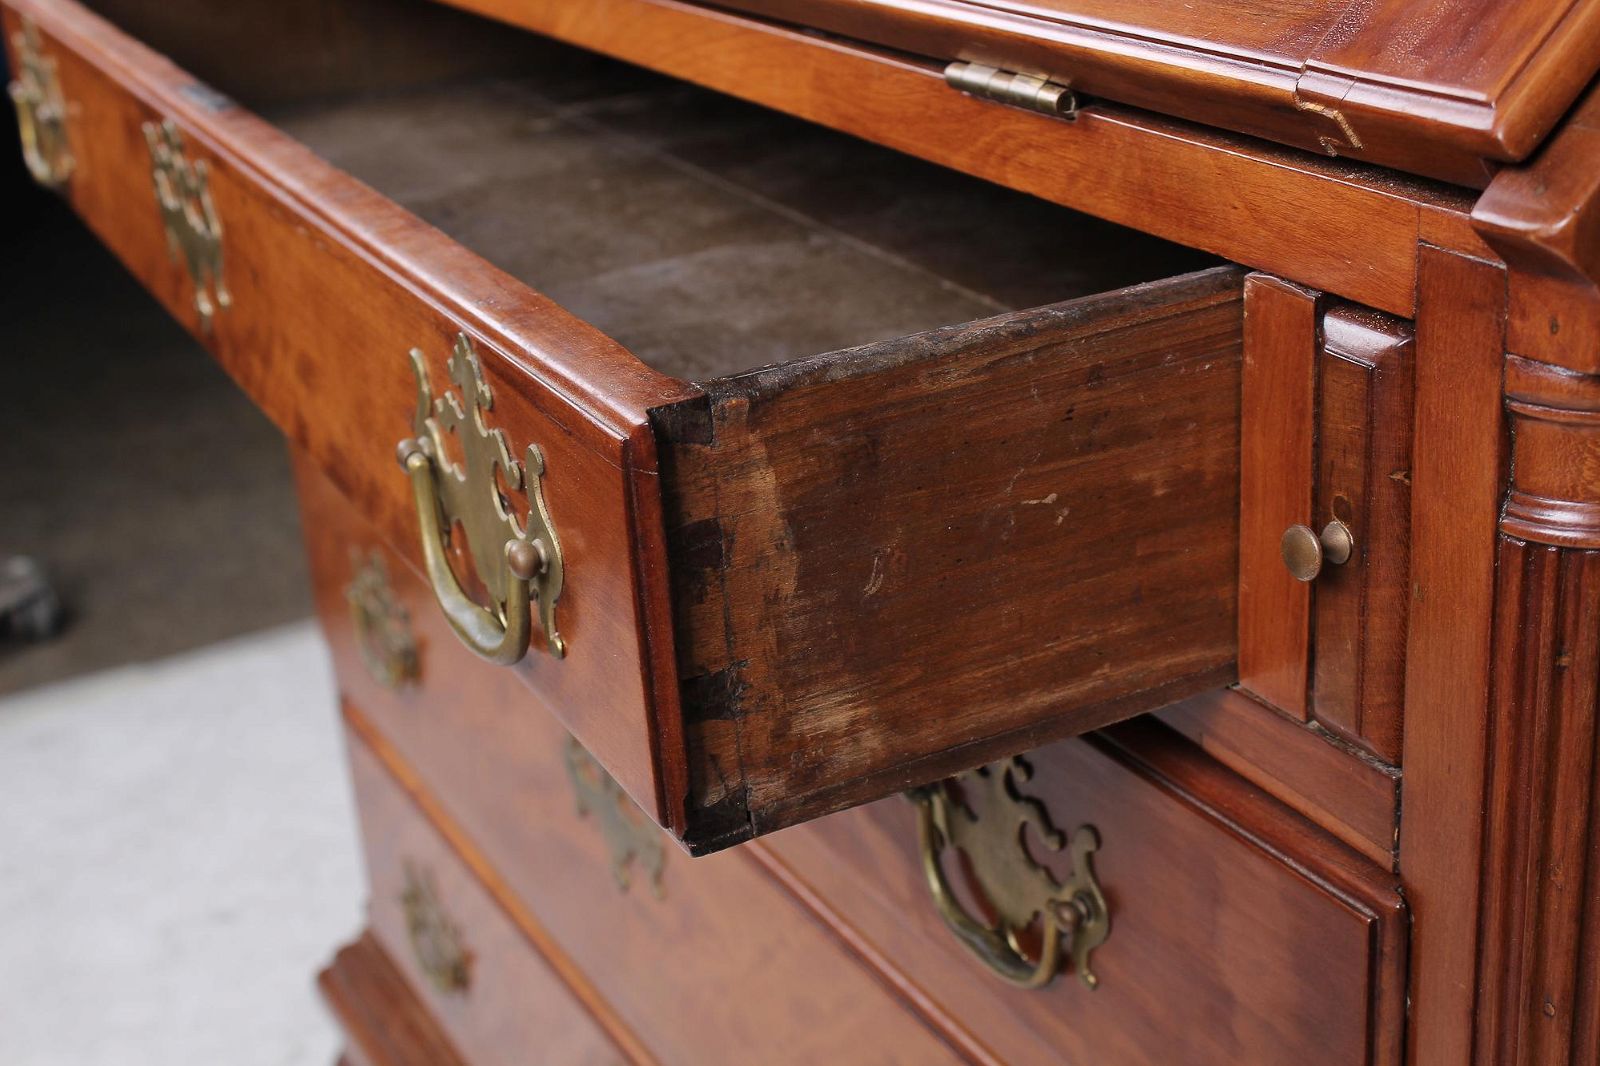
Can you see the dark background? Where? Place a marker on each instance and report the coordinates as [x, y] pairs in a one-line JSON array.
[[131, 466]]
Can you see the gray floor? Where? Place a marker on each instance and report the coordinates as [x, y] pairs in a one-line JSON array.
[[129, 464], [177, 843], [177, 858]]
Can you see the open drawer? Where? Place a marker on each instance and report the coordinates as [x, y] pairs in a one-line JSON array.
[[756, 595]]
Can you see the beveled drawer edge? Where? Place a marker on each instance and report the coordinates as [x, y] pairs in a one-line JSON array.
[[1321, 859], [404, 777]]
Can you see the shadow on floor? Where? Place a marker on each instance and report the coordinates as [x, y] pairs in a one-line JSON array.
[[130, 465]]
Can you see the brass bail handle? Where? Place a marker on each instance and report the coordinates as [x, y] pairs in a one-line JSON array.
[[1073, 918], [41, 110], [518, 562], [500, 635]]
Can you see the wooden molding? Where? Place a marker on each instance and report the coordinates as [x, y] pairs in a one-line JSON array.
[[1555, 422], [1458, 485], [383, 1021], [1538, 957], [1543, 219], [1276, 485], [1539, 960]]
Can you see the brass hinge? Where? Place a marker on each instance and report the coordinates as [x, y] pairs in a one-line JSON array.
[[1027, 91]]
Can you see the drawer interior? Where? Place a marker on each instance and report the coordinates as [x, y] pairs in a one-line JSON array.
[[710, 236], [707, 235]]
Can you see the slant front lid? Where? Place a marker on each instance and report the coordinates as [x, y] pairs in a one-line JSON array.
[[1437, 87]]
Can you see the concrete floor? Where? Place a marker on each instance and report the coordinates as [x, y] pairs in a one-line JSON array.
[[178, 856], [177, 843]]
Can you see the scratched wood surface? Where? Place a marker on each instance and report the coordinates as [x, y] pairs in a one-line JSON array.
[[904, 560]]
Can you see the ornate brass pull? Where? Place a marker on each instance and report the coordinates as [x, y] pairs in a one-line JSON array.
[[513, 560], [435, 938], [1022, 893], [631, 837], [383, 628], [194, 233], [41, 111]]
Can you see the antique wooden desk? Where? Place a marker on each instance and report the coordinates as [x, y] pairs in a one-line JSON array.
[[1177, 584]]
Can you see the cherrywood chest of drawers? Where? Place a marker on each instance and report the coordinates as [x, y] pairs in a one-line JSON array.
[[880, 532]]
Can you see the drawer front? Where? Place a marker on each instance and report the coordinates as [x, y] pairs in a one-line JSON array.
[[328, 288], [702, 960], [1238, 933], [666, 950], [481, 979]]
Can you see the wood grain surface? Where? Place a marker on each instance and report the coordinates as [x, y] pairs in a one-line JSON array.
[[383, 1020], [1536, 991], [905, 560], [513, 1001], [1438, 90], [1365, 367], [1541, 219], [723, 966], [1240, 934], [332, 285], [1301, 765], [1458, 472], [1277, 452]]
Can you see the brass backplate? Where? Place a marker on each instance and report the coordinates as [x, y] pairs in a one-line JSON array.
[[194, 233], [631, 838], [384, 639], [41, 110], [435, 937], [469, 494], [998, 830]]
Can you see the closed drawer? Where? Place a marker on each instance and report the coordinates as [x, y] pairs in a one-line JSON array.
[[479, 977], [692, 962], [782, 591], [1238, 932], [699, 960]]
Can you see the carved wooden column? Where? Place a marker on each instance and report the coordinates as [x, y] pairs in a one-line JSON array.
[[1538, 996]]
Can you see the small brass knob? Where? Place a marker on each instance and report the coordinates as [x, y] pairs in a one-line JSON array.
[[1304, 551]]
